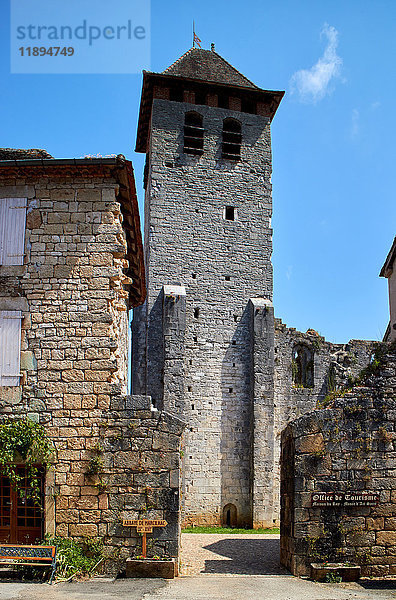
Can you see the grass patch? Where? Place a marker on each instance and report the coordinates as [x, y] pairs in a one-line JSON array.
[[228, 530]]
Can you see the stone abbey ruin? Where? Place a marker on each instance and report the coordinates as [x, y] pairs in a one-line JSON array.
[[216, 377]]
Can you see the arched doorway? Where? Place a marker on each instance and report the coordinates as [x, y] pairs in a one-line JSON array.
[[229, 516]]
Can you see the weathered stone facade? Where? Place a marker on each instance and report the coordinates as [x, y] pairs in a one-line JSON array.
[[347, 447], [206, 345], [82, 270]]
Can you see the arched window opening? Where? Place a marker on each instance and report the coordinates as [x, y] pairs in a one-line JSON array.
[[193, 133], [303, 366], [229, 516], [232, 139]]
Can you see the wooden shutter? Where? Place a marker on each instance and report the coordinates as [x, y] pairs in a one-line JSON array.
[[10, 347], [12, 230]]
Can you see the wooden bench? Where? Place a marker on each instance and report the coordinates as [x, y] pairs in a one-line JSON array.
[[32, 556]]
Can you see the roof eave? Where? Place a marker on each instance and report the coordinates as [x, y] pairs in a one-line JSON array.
[[387, 268], [58, 162]]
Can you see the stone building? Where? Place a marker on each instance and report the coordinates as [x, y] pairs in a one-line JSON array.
[[338, 500], [206, 345], [71, 267], [389, 272]]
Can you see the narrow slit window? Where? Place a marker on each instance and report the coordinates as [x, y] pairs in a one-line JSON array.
[[232, 139], [193, 133], [230, 213], [196, 313]]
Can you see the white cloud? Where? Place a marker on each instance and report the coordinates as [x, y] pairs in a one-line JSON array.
[[314, 83]]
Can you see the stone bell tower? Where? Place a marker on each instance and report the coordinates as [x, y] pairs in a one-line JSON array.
[[203, 341]]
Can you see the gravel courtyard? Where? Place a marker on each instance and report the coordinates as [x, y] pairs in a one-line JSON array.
[[214, 567]]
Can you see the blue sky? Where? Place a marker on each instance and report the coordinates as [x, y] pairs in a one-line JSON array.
[[333, 136]]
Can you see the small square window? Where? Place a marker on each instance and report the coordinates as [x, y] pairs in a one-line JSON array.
[[230, 213], [227, 278]]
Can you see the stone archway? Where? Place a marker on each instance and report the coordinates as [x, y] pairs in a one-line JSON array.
[[230, 516]]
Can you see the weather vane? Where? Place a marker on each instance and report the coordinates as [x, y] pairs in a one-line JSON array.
[[196, 39]]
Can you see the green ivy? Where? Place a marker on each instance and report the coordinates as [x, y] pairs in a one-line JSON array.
[[23, 441]]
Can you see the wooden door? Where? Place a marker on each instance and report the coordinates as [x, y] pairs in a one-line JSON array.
[[21, 520]]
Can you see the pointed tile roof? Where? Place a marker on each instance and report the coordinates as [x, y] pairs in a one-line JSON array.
[[209, 66]]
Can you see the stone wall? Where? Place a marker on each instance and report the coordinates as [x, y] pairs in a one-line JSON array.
[[332, 366], [220, 264], [139, 449], [115, 457], [349, 446], [74, 344]]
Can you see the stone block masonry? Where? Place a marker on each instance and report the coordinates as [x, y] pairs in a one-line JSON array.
[[326, 367], [74, 324], [220, 264], [115, 457], [347, 448]]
